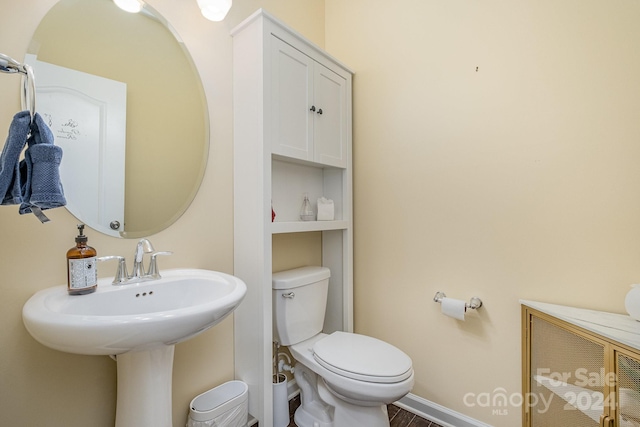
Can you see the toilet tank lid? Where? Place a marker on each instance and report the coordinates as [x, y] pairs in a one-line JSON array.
[[299, 277]]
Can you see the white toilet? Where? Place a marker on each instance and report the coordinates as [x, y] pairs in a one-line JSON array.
[[345, 379]]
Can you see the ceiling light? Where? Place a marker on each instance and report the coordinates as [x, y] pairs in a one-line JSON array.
[[133, 6], [214, 10]]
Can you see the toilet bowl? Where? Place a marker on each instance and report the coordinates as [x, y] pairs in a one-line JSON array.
[[360, 369], [345, 379]]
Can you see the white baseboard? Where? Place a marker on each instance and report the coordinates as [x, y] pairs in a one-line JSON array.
[[434, 412]]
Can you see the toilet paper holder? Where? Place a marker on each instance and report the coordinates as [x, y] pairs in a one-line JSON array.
[[473, 304]]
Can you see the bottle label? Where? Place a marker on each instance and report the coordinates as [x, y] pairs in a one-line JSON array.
[[82, 273]]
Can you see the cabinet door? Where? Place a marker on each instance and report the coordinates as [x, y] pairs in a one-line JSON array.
[[628, 390], [292, 91], [567, 377], [330, 124]]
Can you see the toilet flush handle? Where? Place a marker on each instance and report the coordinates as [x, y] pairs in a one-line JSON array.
[[289, 295]]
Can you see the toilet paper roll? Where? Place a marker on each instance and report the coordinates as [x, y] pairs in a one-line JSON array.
[[453, 308]]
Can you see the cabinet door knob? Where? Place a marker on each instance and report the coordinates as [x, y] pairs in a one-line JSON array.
[[313, 108], [320, 111]]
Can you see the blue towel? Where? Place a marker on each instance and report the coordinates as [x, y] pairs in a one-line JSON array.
[[10, 191], [39, 171], [34, 182]]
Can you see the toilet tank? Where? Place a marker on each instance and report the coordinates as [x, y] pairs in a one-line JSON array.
[[299, 303]]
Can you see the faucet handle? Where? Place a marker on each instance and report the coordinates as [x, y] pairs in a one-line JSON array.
[[153, 265], [121, 274]]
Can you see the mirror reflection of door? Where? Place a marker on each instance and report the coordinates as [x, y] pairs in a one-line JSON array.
[[87, 115]]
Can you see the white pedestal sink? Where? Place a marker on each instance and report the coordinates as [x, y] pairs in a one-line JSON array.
[[139, 323]]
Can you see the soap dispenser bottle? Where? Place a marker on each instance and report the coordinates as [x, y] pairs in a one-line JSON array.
[[81, 266]]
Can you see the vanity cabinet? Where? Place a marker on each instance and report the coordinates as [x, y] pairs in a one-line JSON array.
[[309, 107], [580, 367], [284, 149]]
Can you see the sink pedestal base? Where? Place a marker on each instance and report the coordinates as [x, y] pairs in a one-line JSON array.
[[144, 388]]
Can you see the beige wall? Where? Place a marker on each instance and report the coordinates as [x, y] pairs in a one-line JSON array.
[[518, 180], [39, 386]]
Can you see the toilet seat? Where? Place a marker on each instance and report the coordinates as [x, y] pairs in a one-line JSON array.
[[362, 358]]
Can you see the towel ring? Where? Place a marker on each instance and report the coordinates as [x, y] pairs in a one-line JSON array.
[[10, 65], [28, 94], [29, 91]]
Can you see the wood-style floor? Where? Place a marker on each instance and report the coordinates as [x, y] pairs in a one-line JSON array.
[[397, 417], [400, 418]]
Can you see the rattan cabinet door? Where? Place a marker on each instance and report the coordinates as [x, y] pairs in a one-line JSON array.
[[627, 390], [568, 377]]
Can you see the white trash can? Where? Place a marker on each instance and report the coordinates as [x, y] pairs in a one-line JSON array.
[[224, 406]]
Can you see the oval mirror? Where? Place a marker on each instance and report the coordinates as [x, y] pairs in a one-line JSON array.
[[125, 102]]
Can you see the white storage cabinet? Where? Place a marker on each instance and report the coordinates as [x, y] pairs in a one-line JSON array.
[[309, 108], [284, 147]]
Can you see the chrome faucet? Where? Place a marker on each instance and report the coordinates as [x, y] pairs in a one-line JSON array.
[[138, 274]]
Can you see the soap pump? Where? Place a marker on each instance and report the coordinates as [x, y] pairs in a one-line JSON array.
[[82, 273]]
